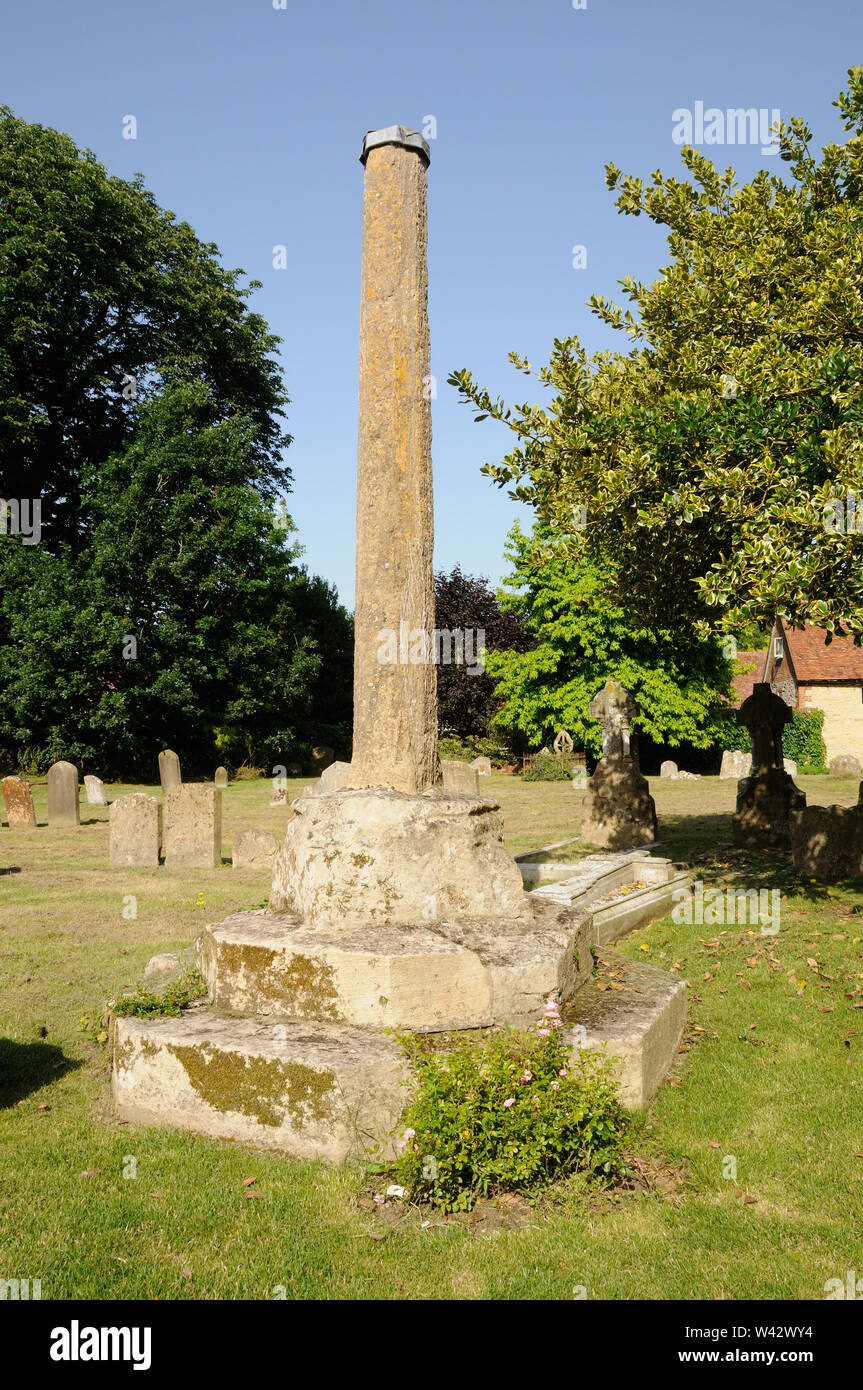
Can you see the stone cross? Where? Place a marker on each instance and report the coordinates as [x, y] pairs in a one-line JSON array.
[[562, 742], [616, 708], [765, 714], [395, 702]]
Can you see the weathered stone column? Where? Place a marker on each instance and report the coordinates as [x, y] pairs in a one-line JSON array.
[[395, 690]]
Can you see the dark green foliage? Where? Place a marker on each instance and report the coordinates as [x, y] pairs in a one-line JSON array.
[[97, 282], [466, 701]]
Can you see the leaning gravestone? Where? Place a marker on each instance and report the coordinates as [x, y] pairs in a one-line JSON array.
[[95, 789], [735, 764], [221, 777], [618, 811], [254, 849], [20, 811], [193, 826], [63, 806], [766, 799], [169, 770], [668, 769], [844, 765], [135, 831]]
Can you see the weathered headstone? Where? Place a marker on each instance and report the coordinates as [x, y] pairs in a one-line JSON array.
[[459, 778], [790, 766], [63, 808], [169, 770], [221, 777], [562, 742], [618, 811], [95, 789], [193, 826], [20, 811], [668, 769], [827, 841], [482, 765], [844, 765], [135, 831], [765, 799], [254, 849], [735, 764]]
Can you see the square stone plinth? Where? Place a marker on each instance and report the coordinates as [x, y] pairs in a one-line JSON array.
[[429, 978], [378, 856], [317, 1090]]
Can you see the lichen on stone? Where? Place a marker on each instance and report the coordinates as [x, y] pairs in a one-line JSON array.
[[263, 1088]]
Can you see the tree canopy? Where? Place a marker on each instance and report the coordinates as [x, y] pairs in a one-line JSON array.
[[583, 637], [99, 284], [720, 446], [467, 701]]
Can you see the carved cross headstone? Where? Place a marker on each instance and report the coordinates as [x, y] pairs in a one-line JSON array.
[[562, 742], [616, 708], [765, 714]]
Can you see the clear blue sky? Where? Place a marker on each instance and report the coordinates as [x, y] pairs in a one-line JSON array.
[[250, 121]]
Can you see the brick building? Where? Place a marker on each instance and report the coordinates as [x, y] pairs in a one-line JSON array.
[[810, 674]]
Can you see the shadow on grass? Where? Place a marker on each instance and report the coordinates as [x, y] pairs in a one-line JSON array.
[[10, 869], [26, 1067]]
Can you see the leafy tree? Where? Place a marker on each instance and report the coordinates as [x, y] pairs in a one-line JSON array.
[[237, 648], [467, 702], [98, 283], [584, 637], [706, 457]]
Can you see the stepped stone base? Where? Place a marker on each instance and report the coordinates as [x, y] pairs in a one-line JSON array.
[[639, 1026], [445, 975], [312, 1090]]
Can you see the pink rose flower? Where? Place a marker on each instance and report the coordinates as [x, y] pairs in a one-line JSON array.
[[508, 1103]]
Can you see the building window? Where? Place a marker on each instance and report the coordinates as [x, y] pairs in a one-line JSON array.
[[778, 648]]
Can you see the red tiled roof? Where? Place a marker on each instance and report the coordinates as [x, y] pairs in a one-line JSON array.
[[742, 684], [815, 662]]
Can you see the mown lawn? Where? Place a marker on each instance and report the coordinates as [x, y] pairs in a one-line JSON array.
[[770, 1079]]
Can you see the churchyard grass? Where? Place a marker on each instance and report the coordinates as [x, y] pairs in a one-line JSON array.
[[770, 1077]]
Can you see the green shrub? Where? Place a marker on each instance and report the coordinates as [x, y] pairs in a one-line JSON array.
[[802, 740], [465, 750], [512, 1112], [547, 769]]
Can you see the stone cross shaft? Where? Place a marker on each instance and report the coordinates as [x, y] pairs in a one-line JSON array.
[[616, 708], [765, 714], [395, 703]]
